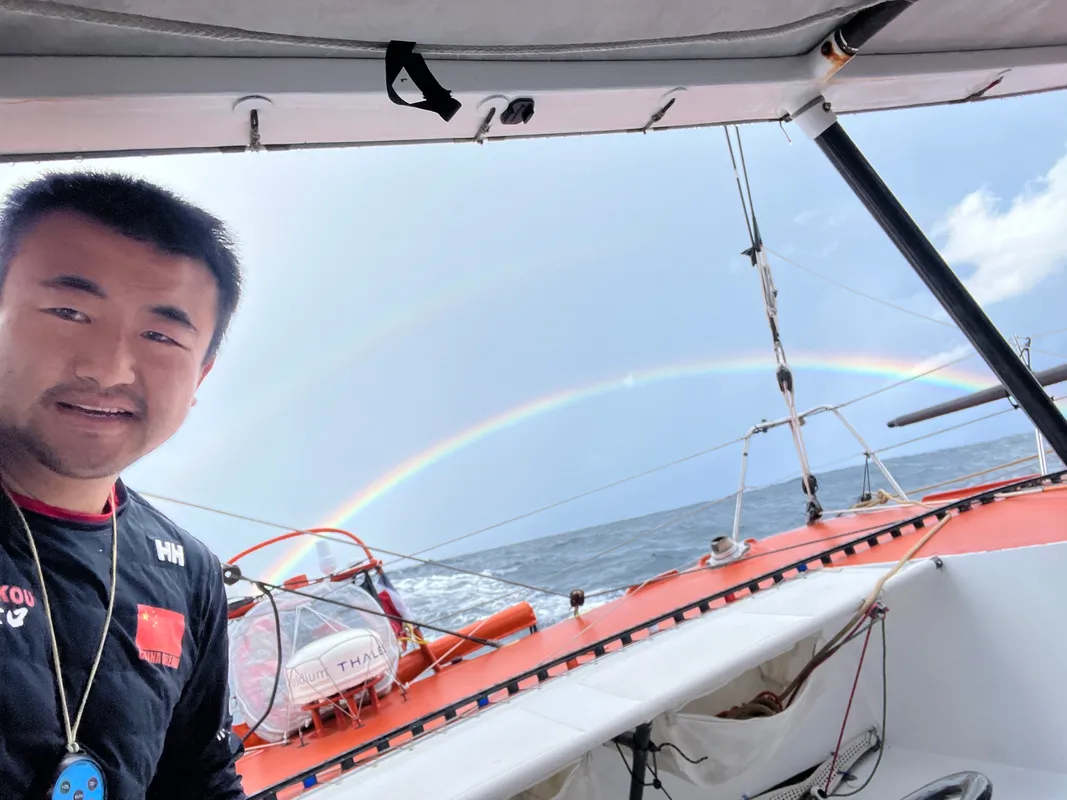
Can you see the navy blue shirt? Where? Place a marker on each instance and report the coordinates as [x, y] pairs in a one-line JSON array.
[[157, 718]]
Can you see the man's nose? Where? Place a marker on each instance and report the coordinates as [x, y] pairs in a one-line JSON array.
[[105, 356]]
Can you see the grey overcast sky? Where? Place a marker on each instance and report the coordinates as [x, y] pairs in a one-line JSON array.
[[443, 337]]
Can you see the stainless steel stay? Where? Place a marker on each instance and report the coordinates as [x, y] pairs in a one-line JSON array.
[[763, 427], [815, 117]]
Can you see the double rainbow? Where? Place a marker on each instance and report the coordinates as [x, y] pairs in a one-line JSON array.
[[861, 365]]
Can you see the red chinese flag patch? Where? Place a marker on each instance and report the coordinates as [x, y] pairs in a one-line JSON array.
[[159, 635]]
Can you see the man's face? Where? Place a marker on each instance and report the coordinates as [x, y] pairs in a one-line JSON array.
[[102, 345]]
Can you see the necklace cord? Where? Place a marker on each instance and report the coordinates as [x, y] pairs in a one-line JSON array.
[[70, 730]]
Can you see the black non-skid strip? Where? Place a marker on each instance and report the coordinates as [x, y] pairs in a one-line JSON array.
[[542, 671]]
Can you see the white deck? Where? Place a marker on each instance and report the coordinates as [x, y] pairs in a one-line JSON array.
[[903, 771], [503, 750], [975, 665]]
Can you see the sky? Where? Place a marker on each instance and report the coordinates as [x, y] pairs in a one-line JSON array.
[[435, 339]]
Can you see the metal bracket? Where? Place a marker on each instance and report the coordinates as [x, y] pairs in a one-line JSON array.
[[765, 426]]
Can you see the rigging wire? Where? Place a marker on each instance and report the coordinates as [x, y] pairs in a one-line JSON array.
[[820, 276], [754, 556], [600, 593], [335, 540], [784, 374], [979, 473], [867, 604], [531, 588], [946, 429], [1048, 353], [354, 607], [277, 670], [415, 556], [749, 217], [644, 534], [904, 381], [581, 495]]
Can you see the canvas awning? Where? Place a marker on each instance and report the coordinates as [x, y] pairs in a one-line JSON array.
[[150, 75]]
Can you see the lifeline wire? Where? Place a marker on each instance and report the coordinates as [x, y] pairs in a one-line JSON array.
[[543, 590], [581, 496], [149, 24], [691, 512], [806, 543], [327, 537], [573, 498], [352, 606], [277, 670]]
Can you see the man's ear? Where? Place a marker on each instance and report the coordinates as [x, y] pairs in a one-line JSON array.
[[203, 374], [205, 370]]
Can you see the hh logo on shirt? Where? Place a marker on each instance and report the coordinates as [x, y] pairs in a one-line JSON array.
[[159, 635], [171, 552]]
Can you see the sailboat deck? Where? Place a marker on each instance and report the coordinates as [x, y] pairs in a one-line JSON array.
[[1032, 517], [541, 731]]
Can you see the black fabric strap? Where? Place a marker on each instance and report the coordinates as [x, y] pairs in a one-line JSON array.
[[402, 56]]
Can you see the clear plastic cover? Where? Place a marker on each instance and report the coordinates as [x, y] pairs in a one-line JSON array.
[[254, 654]]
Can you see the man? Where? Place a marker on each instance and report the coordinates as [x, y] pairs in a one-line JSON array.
[[114, 296]]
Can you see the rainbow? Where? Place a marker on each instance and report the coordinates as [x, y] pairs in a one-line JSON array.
[[860, 365], [420, 314]]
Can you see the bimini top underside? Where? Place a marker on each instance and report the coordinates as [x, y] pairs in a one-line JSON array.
[[110, 76], [593, 30]]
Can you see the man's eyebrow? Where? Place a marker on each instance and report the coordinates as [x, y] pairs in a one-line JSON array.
[[174, 314], [74, 283]]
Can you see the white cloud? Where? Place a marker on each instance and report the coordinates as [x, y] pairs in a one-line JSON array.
[[947, 357], [1013, 249], [821, 219]]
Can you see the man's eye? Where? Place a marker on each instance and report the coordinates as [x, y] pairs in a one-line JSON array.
[[69, 314], [156, 336]]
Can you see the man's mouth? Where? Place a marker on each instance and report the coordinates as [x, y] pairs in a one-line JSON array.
[[101, 411]]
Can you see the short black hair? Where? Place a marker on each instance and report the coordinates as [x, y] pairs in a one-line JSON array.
[[135, 208]]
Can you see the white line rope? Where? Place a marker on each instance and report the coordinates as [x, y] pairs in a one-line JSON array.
[[173, 27], [979, 473]]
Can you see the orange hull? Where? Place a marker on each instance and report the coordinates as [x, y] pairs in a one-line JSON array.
[[441, 652], [1023, 519]]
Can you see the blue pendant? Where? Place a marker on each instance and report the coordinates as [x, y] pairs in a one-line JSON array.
[[79, 778]]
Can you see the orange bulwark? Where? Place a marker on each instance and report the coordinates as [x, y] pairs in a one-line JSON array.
[[994, 516]]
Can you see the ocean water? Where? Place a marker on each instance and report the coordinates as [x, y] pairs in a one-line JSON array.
[[604, 559]]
